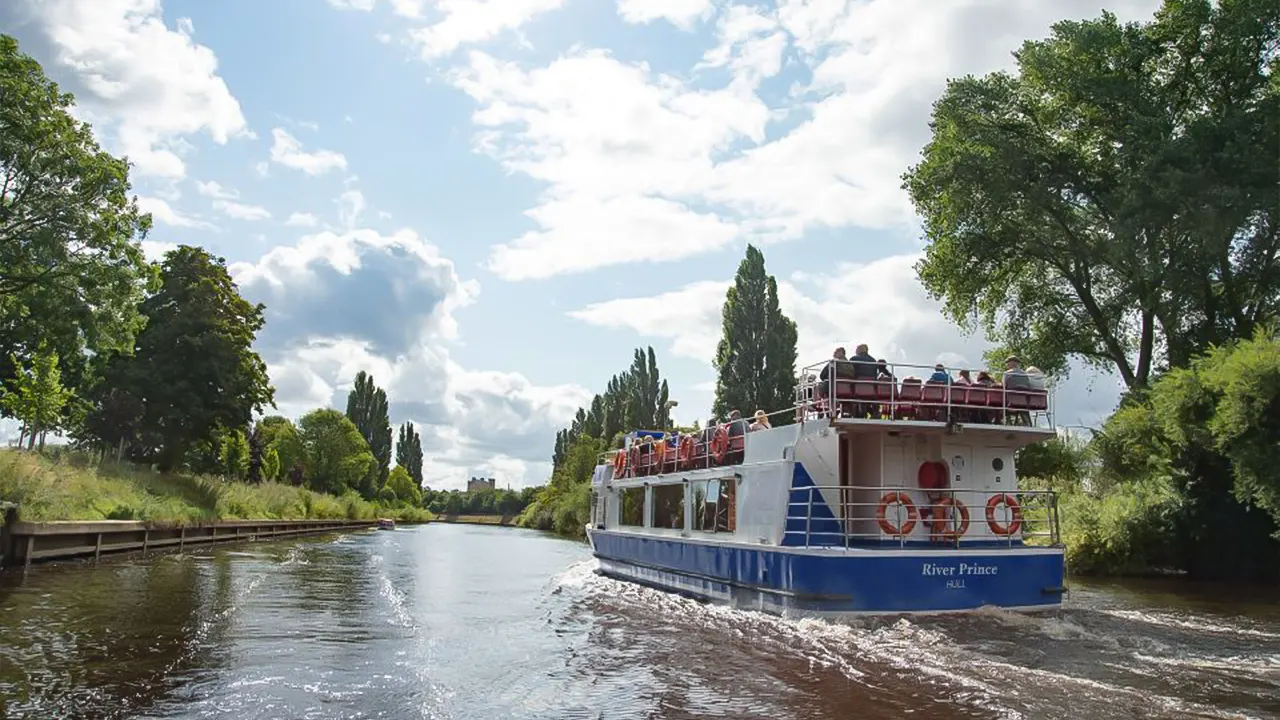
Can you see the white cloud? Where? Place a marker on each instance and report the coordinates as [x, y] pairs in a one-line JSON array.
[[880, 303], [164, 214], [287, 150], [301, 219], [680, 156], [465, 22], [403, 8], [154, 251], [214, 190], [618, 158], [241, 211], [751, 44], [681, 13], [143, 85], [338, 303]]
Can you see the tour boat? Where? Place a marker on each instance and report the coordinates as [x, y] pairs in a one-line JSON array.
[[875, 497], [386, 524]]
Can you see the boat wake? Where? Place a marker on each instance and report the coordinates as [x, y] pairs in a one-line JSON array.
[[1089, 659]]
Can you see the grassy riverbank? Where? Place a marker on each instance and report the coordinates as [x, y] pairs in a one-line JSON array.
[[68, 486], [503, 520]]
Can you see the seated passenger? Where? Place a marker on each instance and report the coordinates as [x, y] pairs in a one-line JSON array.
[[984, 379], [864, 366], [964, 378], [843, 370], [940, 375], [1015, 378], [883, 373], [761, 422], [1036, 378]]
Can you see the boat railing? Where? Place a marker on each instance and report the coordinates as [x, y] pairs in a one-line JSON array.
[[719, 445], [898, 516], [907, 392]]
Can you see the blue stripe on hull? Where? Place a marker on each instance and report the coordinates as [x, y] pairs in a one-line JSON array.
[[837, 581]]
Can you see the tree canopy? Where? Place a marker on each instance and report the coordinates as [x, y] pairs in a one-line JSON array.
[[335, 455], [756, 359], [633, 400], [71, 265], [1115, 200], [193, 368]]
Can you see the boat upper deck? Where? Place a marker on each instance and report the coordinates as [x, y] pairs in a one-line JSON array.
[[854, 393]]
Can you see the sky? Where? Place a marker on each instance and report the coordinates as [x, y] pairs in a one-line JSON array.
[[488, 204]]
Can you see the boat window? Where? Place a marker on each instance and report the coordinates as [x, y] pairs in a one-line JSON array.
[[632, 507], [700, 513], [727, 506], [668, 506]]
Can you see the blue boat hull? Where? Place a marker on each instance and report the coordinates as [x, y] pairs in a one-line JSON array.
[[826, 581]]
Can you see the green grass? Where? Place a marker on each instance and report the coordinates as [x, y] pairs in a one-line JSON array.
[[71, 486], [477, 519]]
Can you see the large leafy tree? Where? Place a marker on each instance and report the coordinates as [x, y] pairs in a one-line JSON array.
[[71, 267], [756, 358], [336, 456], [193, 368], [367, 407], [409, 452], [1115, 200]]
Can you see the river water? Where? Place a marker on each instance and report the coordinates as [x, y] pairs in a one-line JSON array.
[[454, 621]]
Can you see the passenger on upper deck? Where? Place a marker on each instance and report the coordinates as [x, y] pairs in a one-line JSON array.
[[761, 422], [737, 441], [940, 375], [843, 370], [1015, 378], [964, 378], [883, 374], [864, 366], [1036, 377]]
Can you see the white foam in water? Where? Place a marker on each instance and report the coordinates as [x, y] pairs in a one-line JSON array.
[[865, 648]]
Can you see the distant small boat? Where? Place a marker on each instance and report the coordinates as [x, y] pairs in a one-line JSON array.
[[386, 524]]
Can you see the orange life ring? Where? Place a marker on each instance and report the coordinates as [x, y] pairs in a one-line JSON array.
[[660, 456], [897, 498], [939, 519], [619, 463], [719, 444], [1007, 500], [685, 451]]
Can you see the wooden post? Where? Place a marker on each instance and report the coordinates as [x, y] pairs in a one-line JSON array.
[[146, 535], [97, 548], [31, 548], [6, 533], [182, 536]]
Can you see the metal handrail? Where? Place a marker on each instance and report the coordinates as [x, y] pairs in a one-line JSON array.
[[702, 458], [817, 398], [1038, 510]]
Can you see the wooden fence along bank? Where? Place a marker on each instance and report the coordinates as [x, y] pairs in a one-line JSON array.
[[22, 543]]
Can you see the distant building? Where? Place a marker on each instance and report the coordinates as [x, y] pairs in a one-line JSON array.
[[476, 484]]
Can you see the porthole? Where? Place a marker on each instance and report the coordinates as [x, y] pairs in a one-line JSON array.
[[997, 464]]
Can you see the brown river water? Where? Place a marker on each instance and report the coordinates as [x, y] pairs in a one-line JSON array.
[[454, 621]]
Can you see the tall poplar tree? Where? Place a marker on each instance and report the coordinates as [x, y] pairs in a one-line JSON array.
[[367, 409], [409, 452], [756, 359]]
